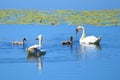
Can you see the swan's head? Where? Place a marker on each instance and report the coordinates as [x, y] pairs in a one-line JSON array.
[[79, 28], [39, 37]]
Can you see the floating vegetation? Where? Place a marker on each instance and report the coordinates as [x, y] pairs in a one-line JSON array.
[[71, 17]]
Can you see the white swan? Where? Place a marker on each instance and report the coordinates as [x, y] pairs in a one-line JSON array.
[[19, 43], [37, 48], [88, 39]]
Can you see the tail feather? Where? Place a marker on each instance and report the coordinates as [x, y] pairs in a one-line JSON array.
[[98, 41]]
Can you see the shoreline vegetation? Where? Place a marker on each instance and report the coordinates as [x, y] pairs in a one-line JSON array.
[[56, 17]]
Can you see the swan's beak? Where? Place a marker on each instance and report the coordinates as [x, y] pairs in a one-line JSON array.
[[76, 30], [37, 39]]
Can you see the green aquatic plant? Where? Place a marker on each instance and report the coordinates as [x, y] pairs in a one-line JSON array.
[[71, 17]]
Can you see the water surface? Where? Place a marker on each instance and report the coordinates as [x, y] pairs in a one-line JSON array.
[[60, 62]]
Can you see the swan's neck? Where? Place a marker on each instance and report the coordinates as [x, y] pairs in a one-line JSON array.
[[23, 42], [40, 43], [83, 34]]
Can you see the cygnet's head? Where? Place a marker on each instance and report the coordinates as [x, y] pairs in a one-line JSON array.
[[71, 38], [24, 39]]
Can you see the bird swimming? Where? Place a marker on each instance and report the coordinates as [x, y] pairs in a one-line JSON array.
[[37, 48], [69, 42], [88, 39], [19, 43]]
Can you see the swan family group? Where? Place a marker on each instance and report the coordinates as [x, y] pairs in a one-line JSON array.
[[37, 48]]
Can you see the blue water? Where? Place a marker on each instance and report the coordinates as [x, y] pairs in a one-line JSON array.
[[76, 62]]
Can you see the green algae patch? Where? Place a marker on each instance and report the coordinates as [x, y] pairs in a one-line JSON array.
[[56, 17]]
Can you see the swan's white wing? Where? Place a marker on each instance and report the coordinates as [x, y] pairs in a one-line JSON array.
[[34, 46], [89, 39]]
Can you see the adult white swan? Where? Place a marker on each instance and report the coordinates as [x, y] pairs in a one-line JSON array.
[[88, 39], [37, 48]]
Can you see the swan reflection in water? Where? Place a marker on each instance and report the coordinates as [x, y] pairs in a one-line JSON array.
[[87, 51], [38, 59]]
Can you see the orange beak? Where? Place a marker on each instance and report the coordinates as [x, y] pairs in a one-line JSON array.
[[76, 30]]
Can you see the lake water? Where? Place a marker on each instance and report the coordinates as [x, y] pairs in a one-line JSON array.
[[76, 62]]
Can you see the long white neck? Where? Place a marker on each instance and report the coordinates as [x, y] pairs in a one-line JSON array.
[[40, 43], [83, 34]]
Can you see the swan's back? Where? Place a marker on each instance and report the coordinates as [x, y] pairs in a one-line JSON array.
[[91, 40], [17, 43], [34, 46], [66, 42]]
